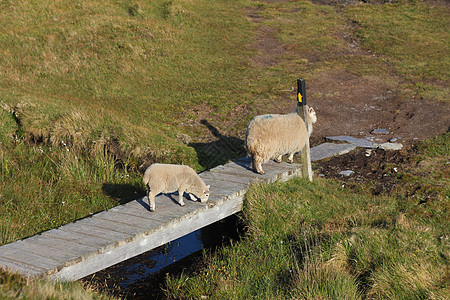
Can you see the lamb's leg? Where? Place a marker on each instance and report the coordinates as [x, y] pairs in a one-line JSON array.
[[180, 197], [279, 158], [291, 157]]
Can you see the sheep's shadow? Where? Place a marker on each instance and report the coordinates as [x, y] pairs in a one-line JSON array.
[[123, 192], [220, 151]]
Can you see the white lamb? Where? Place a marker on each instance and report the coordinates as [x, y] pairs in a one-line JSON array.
[[272, 136], [165, 178]]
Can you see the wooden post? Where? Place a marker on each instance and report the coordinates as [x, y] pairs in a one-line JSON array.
[[302, 110]]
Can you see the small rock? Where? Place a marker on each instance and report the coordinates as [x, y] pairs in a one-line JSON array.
[[329, 149], [346, 172], [380, 131], [364, 143], [390, 146], [393, 140]]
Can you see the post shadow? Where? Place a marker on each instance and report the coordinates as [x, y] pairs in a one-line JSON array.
[[220, 151]]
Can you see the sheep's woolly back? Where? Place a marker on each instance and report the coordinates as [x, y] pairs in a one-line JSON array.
[[269, 136]]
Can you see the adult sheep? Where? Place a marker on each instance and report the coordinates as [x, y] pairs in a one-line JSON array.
[[272, 136], [167, 178]]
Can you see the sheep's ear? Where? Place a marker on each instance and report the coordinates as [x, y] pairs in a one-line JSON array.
[[208, 186]]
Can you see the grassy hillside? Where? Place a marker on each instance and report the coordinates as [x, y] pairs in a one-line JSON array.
[[126, 78], [93, 91]]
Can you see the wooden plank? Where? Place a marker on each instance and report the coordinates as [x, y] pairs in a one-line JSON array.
[[159, 217], [62, 245], [111, 225], [272, 170], [147, 242], [20, 268], [78, 238], [164, 203], [61, 256], [220, 177], [121, 220], [108, 234], [13, 253], [162, 214], [246, 163], [224, 187]]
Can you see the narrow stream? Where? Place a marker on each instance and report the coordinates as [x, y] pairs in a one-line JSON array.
[[142, 277]]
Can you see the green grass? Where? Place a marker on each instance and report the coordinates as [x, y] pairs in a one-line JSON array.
[[322, 240], [17, 287], [413, 38], [93, 91], [89, 73], [406, 43]]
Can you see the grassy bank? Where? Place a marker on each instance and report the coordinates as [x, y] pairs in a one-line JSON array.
[[16, 287], [323, 240]]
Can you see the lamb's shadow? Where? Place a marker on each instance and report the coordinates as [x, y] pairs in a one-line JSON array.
[[220, 151], [123, 192], [172, 196]]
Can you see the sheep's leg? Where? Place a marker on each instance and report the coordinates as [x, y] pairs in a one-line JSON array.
[[259, 167], [254, 163], [279, 158], [151, 200], [180, 196], [291, 157]]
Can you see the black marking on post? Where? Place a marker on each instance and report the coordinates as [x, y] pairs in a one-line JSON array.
[[301, 92], [305, 155]]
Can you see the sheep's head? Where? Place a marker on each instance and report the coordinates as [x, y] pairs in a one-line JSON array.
[[312, 118]]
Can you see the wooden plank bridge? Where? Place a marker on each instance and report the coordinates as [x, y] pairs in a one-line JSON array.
[[96, 242]]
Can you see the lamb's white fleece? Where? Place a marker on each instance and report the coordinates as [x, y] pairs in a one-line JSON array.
[[167, 178]]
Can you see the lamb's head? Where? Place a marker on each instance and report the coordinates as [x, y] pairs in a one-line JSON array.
[[312, 118], [201, 193], [204, 195]]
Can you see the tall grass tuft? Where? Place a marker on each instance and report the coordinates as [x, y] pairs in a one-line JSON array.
[[17, 287]]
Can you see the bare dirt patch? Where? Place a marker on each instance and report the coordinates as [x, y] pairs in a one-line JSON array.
[[347, 104], [375, 165], [267, 45]]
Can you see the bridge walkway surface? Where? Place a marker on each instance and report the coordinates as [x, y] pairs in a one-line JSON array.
[[101, 240]]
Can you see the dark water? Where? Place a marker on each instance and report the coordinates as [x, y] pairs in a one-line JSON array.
[[142, 277]]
